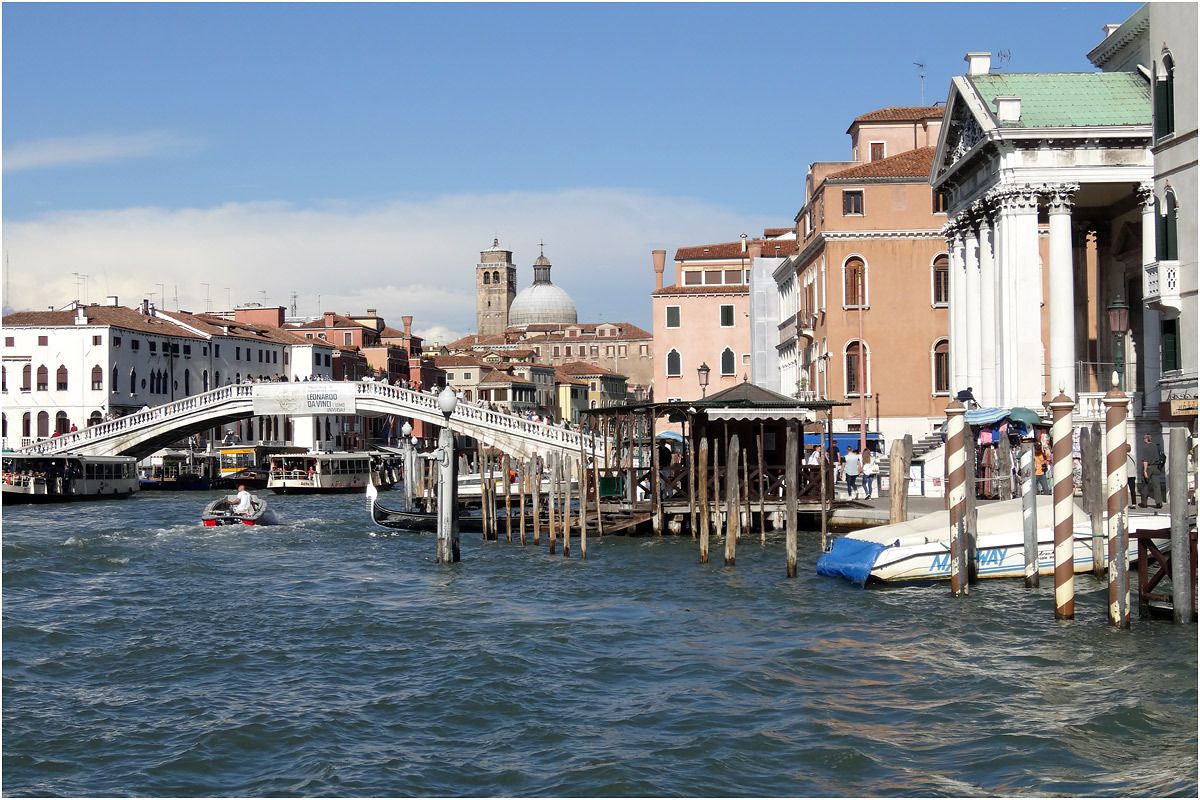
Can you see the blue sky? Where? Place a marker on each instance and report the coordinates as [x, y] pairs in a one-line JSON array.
[[366, 153]]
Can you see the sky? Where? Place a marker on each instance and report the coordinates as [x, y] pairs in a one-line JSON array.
[[360, 156]]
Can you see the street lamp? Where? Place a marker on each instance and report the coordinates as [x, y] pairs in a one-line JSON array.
[[702, 373], [410, 467], [1118, 323]]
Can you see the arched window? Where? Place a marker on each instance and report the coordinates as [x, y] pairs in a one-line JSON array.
[[60, 378], [4, 379], [941, 281], [187, 381], [4, 425], [204, 380], [26, 376], [1164, 97], [95, 419], [61, 423], [1166, 240], [97, 378], [43, 429], [113, 384], [216, 379], [674, 364], [855, 356], [27, 425], [496, 277], [728, 365], [854, 284], [43, 378], [487, 278], [941, 367], [132, 381]]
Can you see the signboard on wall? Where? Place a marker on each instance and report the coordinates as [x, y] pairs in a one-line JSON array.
[[316, 397]]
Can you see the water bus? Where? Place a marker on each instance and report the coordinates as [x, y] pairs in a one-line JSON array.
[[247, 464], [62, 478], [319, 472]]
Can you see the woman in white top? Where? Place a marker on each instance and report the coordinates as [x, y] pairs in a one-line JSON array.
[[869, 470]]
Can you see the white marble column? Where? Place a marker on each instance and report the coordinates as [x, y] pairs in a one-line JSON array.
[[1021, 362], [1151, 350], [954, 241], [985, 391], [1060, 200], [972, 327]]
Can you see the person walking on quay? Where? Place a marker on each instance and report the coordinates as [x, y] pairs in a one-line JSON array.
[[1153, 460], [853, 470], [869, 470]]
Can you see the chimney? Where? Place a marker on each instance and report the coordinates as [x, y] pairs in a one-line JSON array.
[[145, 305], [407, 320], [755, 249], [978, 63], [81, 317], [371, 312], [329, 315], [660, 266], [111, 300], [1008, 108]]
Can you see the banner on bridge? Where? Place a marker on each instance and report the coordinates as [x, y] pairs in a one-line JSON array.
[[303, 398]]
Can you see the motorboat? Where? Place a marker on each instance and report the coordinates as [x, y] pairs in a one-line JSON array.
[[220, 512], [320, 472], [919, 549]]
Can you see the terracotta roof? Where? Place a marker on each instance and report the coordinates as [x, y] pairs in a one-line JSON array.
[[666, 291], [777, 231], [115, 316], [457, 361], [901, 114], [474, 339], [733, 250], [338, 322], [557, 333], [496, 376], [909, 164], [567, 378], [219, 326], [584, 368], [389, 332]]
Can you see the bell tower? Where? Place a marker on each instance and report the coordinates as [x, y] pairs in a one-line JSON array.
[[495, 288]]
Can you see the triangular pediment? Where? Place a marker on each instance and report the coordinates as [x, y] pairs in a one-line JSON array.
[[964, 126]]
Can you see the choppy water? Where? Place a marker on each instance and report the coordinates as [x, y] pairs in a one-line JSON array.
[[146, 655]]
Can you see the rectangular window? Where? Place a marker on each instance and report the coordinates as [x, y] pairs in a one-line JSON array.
[[733, 276], [568, 347], [237, 354], [595, 351], [878, 151], [134, 344], [154, 347], [43, 341], [96, 341], [692, 277], [623, 351], [643, 349], [852, 202], [672, 318], [712, 277], [347, 338], [187, 349], [726, 316], [8, 341], [1170, 345], [556, 351], [940, 202]]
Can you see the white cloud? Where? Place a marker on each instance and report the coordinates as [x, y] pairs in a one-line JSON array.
[[91, 149], [398, 257]]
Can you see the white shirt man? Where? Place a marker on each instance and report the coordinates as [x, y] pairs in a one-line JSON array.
[[853, 467], [244, 503]]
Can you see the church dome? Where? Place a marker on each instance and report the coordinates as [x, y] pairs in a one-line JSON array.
[[543, 302]]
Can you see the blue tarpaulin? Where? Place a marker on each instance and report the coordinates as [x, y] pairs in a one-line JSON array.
[[844, 441], [851, 559]]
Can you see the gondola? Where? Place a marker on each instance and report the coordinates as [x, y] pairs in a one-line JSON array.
[[419, 521]]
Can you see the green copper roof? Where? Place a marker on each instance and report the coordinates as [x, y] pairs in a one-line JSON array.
[[1070, 99]]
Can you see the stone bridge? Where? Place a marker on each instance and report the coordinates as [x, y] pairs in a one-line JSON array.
[[144, 432]]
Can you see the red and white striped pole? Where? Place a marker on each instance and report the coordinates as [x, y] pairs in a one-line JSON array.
[[956, 489], [1064, 507], [1116, 413]]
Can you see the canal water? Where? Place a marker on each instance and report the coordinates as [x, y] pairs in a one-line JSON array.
[[144, 654]]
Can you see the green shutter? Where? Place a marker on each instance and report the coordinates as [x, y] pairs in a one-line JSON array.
[[1162, 108], [1170, 345]]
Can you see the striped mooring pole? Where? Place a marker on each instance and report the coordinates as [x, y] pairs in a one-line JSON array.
[[956, 480], [1029, 516], [1064, 507], [1116, 413]]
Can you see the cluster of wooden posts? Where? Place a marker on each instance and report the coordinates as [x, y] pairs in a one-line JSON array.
[[1107, 507]]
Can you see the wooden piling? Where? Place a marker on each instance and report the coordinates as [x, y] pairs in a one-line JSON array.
[[1064, 507], [596, 483], [691, 468], [762, 488], [508, 497], [827, 487], [1029, 515], [717, 495], [535, 477], [733, 509], [552, 498], [971, 520], [522, 485], [791, 478], [1091, 445], [956, 477], [1004, 461], [898, 463], [1116, 412], [566, 530], [702, 481], [744, 482], [583, 493], [1182, 579]]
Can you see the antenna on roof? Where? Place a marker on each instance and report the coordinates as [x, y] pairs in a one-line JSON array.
[[1002, 58], [207, 298], [293, 304], [921, 72]]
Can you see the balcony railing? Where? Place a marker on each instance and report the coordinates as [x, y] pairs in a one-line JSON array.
[[1160, 285]]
